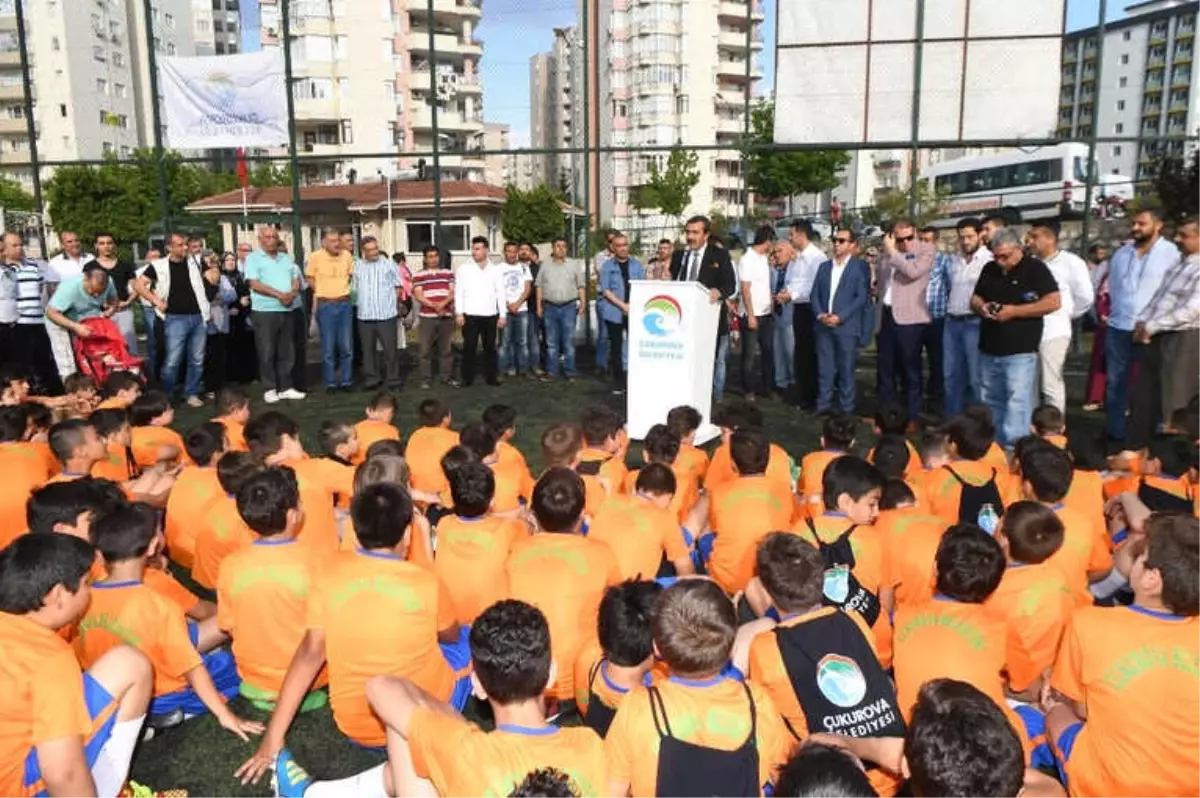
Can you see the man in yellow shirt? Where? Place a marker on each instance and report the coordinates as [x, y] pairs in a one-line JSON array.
[[329, 271]]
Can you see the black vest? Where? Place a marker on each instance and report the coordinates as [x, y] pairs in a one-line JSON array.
[[842, 588]]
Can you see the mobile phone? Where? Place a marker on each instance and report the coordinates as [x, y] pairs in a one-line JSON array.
[[993, 307]]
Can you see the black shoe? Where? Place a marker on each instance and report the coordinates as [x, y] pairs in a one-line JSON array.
[[346, 389], [331, 390], [371, 386], [165, 721]]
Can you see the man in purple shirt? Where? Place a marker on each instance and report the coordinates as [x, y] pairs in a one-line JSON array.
[[902, 280]]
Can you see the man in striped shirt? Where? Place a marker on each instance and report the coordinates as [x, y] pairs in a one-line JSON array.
[[377, 284], [26, 343], [433, 290]]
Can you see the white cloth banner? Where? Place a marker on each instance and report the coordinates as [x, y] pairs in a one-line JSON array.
[[222, 101]]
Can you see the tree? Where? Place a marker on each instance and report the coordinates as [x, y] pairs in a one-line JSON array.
[[669, 190], [894, 204], [533, 215], [13, 197], [266, 174], [1177, 186], [773, 174]]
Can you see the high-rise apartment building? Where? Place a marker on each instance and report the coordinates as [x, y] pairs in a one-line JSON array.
[[202, 27], [556, 82], [90, 74], [367, 75], [227, 26]]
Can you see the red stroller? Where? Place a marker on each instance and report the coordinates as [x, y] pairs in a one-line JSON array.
[[104, 351]]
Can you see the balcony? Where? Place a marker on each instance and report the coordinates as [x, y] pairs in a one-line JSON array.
[[317, 110], [16, 92], [736, 40], [421, 118], [447, 8], [10, 58], [1070, 58], [736, 70], [311, 25], [15, 157], [730, 99], [733, 125], [445, 44], [9, 127], [727, 181], [738, 10]]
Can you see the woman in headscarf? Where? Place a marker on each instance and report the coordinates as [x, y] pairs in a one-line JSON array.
[[241, 365]]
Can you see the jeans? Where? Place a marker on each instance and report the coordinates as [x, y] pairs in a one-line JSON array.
[[900, 350], [274, 340], [719, 366], [960, 362], [762, 339], [535, 339], [1119, 354], [124, 322], [184, 332], [785, 348], [559, 321], [380, 335], [514, 343], [335, 320], [437, 334], [836, 356], [601, 343], [1008, 391], [150, 320]]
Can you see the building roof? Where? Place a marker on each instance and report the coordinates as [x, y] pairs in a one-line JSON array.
[[351, 197]]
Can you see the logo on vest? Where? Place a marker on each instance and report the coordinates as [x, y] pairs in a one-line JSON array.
[[837, 584], [841, 681]]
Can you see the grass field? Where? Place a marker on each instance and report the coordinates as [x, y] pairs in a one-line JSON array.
[[200, 756]]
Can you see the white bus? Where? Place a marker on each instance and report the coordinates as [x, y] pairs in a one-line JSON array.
[[1048, 182]]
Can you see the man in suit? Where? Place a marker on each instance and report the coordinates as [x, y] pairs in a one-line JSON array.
[[707, 263], [841, 300], [904, 269]]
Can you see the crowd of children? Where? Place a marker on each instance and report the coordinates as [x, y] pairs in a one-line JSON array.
[[944, 617]]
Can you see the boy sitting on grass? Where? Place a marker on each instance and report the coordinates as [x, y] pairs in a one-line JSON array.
[[684, 421], [195, 488], [233, 411], [502, 421], [112, 425], [121, 388], [642, 530], [377, 426], [152, 439], [222, 530], [479, 438], [427, 444]]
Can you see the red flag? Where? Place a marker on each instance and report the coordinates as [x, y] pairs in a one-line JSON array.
[[242, 173]]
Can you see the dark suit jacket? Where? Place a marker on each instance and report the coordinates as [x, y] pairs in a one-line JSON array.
[[716, 271], [851, 304]]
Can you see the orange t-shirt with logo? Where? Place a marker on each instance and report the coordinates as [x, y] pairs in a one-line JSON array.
[[694, 461], [509, 483], [812, 472], [1036, 603], [612, 468], [222, 532], [1082, 551], [1086, 496], [471, 553], [195, 488], [426, 447], [43, 698], [945, 493], [741, 513], [115, 466], [381, 616], [369, 431], [565, 577], [133, 613], [42, 449], [997, 458], [24, 472], [639, 534], [512, 461], [262, 602], [591, 658], [318, 492], [148, 444], [169, 588], [910, 538], [1136, 670], [687, 491], [235, 434], [337, 475], [721, 470]]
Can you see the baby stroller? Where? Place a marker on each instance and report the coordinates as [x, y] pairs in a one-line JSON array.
[[104, 351]]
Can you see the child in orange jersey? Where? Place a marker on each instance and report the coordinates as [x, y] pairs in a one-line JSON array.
[[123, 607], [38, 420], [377, 426], [605, 443], [474, 543], [435, 751], [195, 489], [684, 421], [371, 612], [66, 731], [910, 538], [112, 425], [744, 511], [233, 411], [663, 741], [1049, 424], [24, 472], [341, 448], [640, 528], [502, 421], [995, 454], [1123, 714], [427, 444], [262, 587], [121, 388], [661, 445], [961, 490], [561, 572], [892, 419], [621, 658], [221, 530], [77, 448], [480, 440], [561, 448], [837, 440], [152, 439], [730, 417]]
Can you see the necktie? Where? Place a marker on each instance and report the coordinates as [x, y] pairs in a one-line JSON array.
[[694, 268]]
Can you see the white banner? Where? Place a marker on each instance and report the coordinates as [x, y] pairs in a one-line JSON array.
[[213, 102]]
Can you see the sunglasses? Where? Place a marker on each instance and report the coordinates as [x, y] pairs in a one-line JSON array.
[[841, 240], [910, 237]]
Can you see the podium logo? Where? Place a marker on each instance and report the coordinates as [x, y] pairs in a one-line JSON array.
[[661, 316]]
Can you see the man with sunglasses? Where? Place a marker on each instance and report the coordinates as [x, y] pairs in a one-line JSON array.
[[841, 298], [1013, 294], [904, 270]]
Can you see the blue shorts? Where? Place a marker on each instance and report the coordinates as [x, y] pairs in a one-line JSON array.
[[458, 655], [221, 667], [701, 548], [102, 709], [1035, 729], [1065, 745]]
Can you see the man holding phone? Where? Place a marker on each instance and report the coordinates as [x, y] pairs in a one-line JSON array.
[[1013, 294]]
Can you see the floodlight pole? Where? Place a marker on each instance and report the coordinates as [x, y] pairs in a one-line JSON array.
[[1090, 183], [914, 172]]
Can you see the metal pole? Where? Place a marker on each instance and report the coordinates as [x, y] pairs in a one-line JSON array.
[[433, 116], [286, 24], [588, 6], [164, 201], [1090, 183], [914, 176], [746, 112], [31, 129], [391, 226]]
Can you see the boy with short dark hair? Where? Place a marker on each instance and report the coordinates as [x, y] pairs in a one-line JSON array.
[[196, 487], [340, 449], [233, 411], [502, 421], [960, 491], [684, 421], [121, 388], [112, 425], [995, 454], [480, 439], [641, 529], [76, 447], [910, 537], [152, 440], [377, 426], [892, 419], [221, 528], [274, 439], [654, 747], [662, 445], [1050, 424], [427, 444], [24, 470], [80, 398], [891, 456], [732, 416], [604, 445], [837, 440], [561, 445]]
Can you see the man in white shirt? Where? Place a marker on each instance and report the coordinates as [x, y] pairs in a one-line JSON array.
[[482, 308], [1075, 288], [960, 342], [800, 276], [63, 266], [758, 321], [514, 343]]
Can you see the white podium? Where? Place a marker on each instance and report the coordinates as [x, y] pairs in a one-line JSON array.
[[672, 349]]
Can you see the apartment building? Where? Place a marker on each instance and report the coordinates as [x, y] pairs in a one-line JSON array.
[[90, 76], [367, 76], [1145, 86], [556, 83], [227, 26]]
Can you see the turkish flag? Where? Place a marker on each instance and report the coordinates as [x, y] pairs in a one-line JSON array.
[[242, 173]]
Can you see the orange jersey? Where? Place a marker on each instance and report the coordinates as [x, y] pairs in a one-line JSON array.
[[235, 435], [812, 472], [116, 465], [1136, 670], [500, 759], [742, 512], [318, 492], [150, 445], [112, 403], [42, 450], [195, 488], [687, 491], [612, 468], [591, 676], [133, 613], [43, 697], [1058, 440], [24, 472], [511, 459], [945, 493], [222, 532], [424, 452], [510, 482], [596, 493], [914, 460], [337, 475], [471, 553], [721, 470], [368, 431], [261, 602], [640, 534], [1082, 552], [910, 540], [565, 577], [1036, 603], [169, 588], [714, 714], [380, 615], [1086, 496], [997, 458], [694, 461]]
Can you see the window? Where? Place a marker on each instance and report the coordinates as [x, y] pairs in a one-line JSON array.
[[169, 20], [681, 104], [456, 235], [101, 86], [55, 45], [1118, 128], [1123, 82], [389, 89], [106, 147], [15, 111], [99, 53], [1116, 152], [1124, 59], [118, 59], [119, 90], [8, 8], [62, 110], [114, 28], [1120, 105], [171, 48], [347, 132], [125, 151], [1125, 36]]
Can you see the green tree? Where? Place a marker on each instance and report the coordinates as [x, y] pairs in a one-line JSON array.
[[1177, 187], [533, 215], [13, 197], [894, 204], [265, 173], [669, 190], [773, 174]]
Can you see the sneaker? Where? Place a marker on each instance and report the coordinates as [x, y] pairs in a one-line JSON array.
[[424, 385], [291, 393], [289, 779], [271, 397], [453, 383], [194, 401]]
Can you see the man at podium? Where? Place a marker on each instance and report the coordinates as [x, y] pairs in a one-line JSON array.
[[707, 263]]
